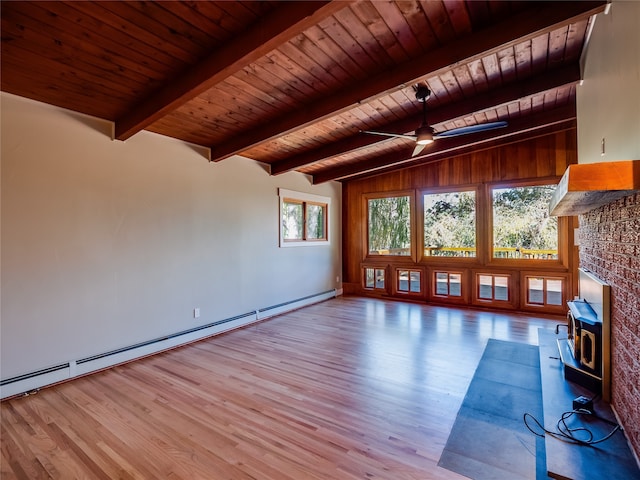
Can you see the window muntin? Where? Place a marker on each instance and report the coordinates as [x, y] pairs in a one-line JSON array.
[[522, 227], [303, 219], [389, 225], [450, 224]]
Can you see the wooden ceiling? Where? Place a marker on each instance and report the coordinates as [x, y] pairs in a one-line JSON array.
[[292, 84]]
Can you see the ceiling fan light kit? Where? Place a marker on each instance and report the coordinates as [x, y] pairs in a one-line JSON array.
[[424, 135]]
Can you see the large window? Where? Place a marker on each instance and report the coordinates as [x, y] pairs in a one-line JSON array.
[[522, 227], [303, 218], [389, 225], [450, 224]]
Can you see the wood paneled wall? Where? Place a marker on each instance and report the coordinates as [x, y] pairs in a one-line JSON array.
[[545, 157]]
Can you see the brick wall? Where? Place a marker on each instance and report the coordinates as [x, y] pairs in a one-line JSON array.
[[610, 248]]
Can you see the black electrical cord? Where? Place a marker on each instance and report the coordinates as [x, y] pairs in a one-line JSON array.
[[567, 434]]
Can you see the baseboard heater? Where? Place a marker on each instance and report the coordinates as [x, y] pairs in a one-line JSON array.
[[31, 381]]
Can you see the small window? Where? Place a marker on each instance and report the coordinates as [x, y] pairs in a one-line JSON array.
[[542, 291], [493, 287], [408, 281], [303, 219], [292, 220], [374, 278], [447, 284]]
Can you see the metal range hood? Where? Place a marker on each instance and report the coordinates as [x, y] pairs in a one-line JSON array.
[[585, 186]]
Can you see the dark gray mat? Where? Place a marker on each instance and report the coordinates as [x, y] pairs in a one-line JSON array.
[[489, 439]]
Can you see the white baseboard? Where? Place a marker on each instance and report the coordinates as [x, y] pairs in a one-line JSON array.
[[77, 367]]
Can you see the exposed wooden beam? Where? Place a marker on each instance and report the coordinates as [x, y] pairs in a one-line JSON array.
[[567, 75], [286, 21], [518, 129], [544, 17]]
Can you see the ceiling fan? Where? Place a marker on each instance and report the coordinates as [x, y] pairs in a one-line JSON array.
[[424, 134]]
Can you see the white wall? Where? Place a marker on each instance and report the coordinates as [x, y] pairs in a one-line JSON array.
[[106, 244], [608, 102]]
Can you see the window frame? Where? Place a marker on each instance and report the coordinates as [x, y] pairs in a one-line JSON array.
[[547, 307], [512, 288], [305, 199], [539, 262], [463, 298], [409, 269], [412, 224], [420, 238], [385, 278]]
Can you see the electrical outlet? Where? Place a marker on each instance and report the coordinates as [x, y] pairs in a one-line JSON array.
[[196, 312]]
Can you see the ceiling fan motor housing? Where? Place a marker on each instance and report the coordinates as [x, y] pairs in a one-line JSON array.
[[424, 135], [422, 93]]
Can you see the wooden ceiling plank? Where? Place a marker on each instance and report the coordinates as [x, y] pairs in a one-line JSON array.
[[217, 107], [286, 72], [479, 12], [392, 15], [539, 51], [328, 63], [319, 73], [575, 37], [439, 20], [553, 79], [245, 86], [139, 27], [379, 32], [416, 19], [459, 17], [507, 62], [280, 25], [463, 78], [522, 128], [72, 78], [324, 42], [523, 59], [557, 43], [451, 84], [349, 31], [525, 106], [42, 89], [492, 70], [192, 14], [265, 81], [524, 25], [439, 93], [184, 33], [97, 31], [57, 40]]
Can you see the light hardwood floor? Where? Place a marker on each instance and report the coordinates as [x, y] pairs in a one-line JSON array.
[[350, 388]]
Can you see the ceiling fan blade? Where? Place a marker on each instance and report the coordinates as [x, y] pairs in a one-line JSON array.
[[471, 129], [418, 149], [396, 135]]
